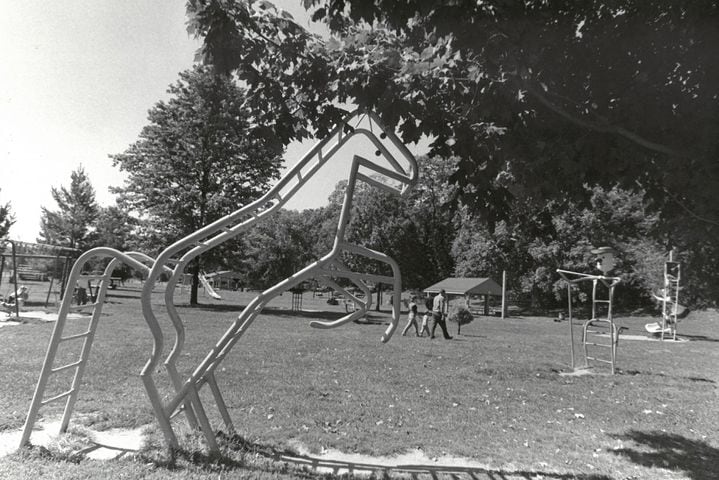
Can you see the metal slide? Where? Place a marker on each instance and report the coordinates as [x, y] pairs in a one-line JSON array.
[[398, 179], [208, 288], [82, 341]]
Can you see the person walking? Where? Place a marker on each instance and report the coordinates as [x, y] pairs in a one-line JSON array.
[[425, 318], [439, 310], [412, 320]]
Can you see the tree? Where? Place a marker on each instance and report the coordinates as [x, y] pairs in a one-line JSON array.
[[73, 223], [115, 228], [539, 239], [203, 155], [535, 98], [7, 219], [275, 250], [416, 230]]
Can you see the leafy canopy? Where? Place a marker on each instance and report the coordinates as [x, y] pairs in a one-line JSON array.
[[203, 155]]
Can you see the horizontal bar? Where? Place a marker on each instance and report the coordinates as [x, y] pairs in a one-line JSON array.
[[73, 337], [599, 360], [65, 367], [80, 308], [58, 397]]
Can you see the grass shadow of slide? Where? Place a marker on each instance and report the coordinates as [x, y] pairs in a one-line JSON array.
[[697, 459]]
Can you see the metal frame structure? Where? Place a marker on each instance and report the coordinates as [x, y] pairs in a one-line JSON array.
[[134, 260], [398, 179], [66, 253], [670, 297], [595, 328], [326, 269]]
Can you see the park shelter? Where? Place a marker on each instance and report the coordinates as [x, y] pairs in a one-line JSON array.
[[468, 287]]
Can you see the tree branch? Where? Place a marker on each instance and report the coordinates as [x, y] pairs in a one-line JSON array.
[[599, 127]]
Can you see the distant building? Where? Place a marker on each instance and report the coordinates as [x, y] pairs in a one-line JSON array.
[[468, 288]]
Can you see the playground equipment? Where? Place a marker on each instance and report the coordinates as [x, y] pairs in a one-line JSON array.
[[397, 179], [208, 288], [61, 256], [672, 311], [76, 277], [599, 333]]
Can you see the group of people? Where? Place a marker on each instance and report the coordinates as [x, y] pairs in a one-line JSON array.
[[436, 308]]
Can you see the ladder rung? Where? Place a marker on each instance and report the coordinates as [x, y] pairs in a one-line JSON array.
[[73, 337], [599, 359], [58, 397], [599, 344], [602, 301], [65, 367], [80, 308]]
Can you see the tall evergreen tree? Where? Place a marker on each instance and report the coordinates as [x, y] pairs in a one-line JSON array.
[[73, 223]]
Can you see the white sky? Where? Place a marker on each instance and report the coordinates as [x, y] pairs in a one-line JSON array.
[[77, 78]]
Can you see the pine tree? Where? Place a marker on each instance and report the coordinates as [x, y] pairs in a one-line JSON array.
[[73, 223]]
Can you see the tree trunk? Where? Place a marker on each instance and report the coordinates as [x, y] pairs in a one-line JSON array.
[[379, 297], [195, 270]]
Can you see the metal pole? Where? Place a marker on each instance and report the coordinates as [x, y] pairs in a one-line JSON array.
[[571, 322], [14, 275], [504, 294]]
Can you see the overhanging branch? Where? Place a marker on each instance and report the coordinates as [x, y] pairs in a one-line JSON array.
[[601, 127]]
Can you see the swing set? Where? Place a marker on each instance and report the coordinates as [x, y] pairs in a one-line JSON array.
[[16, 251]]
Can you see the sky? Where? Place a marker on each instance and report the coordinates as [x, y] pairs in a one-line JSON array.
[[76, 82]]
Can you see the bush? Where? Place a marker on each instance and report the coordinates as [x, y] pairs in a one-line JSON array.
[[460, 315]]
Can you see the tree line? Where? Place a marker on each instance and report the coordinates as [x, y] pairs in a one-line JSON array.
[[554, 127]]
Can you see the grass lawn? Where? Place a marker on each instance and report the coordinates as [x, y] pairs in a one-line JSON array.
[[492, 394]]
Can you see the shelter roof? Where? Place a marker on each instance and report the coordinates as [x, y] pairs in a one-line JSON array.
[[466, 286]]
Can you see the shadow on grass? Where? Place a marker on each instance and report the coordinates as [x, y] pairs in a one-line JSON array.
[[698, 338], [324, 466], [697, 459], [691, 379]]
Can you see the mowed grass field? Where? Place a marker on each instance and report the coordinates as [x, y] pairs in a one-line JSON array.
[[493, 394]]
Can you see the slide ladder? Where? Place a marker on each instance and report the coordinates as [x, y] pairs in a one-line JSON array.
[[81, 342], [397, 178], [600, 334]]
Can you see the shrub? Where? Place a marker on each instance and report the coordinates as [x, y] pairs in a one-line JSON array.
[[460, 315]]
